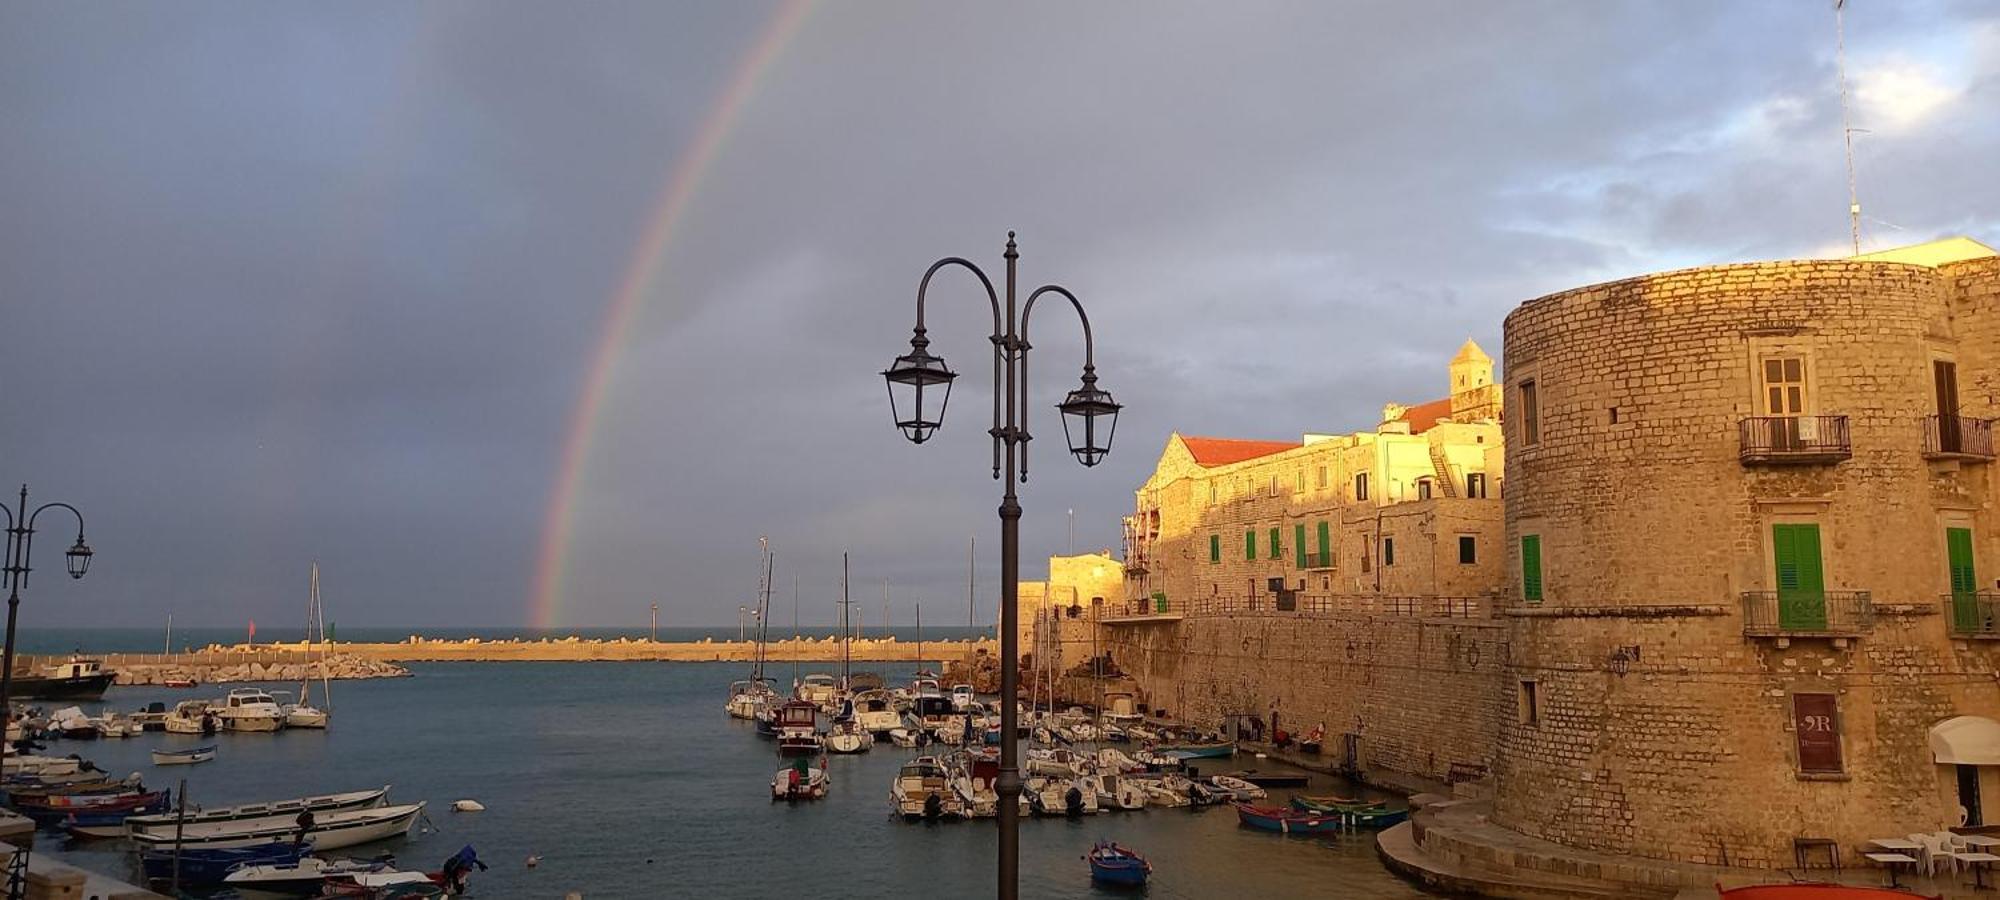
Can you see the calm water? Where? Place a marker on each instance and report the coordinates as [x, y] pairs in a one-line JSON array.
[[629, 781], [153, 640]]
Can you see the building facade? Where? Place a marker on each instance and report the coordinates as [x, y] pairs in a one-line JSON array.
[[1751, 541]]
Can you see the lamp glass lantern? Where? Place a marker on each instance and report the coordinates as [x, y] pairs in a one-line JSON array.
[[915, 381], [78, 558], [1089, 438]]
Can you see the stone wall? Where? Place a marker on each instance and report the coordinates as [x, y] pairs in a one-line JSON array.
[[1418, 694]]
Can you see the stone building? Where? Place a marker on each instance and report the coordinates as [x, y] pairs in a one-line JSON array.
[[1056, 616], [1409, 509], [1751, 539]]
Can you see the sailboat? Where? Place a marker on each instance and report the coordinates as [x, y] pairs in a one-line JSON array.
[[848, 735], [755, 698], [304, 714]]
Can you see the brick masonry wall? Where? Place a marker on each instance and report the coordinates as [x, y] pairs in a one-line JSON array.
[[1651, 528], [1419, 693]]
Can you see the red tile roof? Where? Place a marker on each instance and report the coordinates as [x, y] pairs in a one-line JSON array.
[[1211, 452], [1423, 415]]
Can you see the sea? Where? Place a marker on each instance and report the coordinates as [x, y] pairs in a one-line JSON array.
[[627, 779]]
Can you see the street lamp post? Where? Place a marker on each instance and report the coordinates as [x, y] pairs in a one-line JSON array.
[[20, 548], [918, 376]]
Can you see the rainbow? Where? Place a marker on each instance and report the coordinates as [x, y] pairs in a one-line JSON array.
[[682, 183]]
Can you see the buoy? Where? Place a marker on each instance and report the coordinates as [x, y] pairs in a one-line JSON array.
[[468, 806], [534, 861]]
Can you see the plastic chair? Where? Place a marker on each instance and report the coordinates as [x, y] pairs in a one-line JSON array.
[[1931, 851]]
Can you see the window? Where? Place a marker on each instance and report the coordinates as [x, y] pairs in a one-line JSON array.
[[1211, 493], [1361, 486], [1274, 485], [1364, 556], [1423, 489], [1475, 485], [1816, 725], [1468, 550], [1531, 413], [1215, 548], [1250, 543], [1531, 568], [1613, 412], [1275, 551], [1784, 386], [1388, 552], [1527, 704], [1322, 478], [1299, 481]]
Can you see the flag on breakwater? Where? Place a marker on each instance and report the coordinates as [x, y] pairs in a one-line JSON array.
[[253, 632]]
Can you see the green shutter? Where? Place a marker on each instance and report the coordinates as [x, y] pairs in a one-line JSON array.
[[1801, 583], [1276, 550], [1159, 601], [1250, 543], [1531, 568], [1325, 539], [1964, 581], [1299, 539], [1215, 548]]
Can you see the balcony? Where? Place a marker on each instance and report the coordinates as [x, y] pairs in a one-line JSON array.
[[1790, 614], [1958, 437], [1974, 615], [1794, 440], [1319, 560]]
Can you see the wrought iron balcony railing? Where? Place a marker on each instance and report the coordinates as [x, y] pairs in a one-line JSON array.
[[1794, 440], [1807, 613], [1958, 437], [1972, 614]]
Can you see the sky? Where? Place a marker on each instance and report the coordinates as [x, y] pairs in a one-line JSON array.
[[283, 282]]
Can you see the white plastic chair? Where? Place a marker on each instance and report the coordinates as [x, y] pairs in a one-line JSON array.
[[1932, 851]]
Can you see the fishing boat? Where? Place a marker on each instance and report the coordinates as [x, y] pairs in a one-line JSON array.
[[77, 679], [109, 822], [1333, 803], [1200, 750], [249, 710], [922, 790], [800, 781], [303, 714], [798, 729], [320, 804], [206, 867], [1285, 821], [183, 757], [191, 717], [329, 831], [1114, 864]]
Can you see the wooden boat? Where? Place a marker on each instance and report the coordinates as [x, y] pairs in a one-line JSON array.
[[205, 867], [1285, 821], [180, 683], [330, 831], [1111, 863], [77, 679], [1374, 816], [1243, 790], [1214, 750], [183, 757], [1818, 891], [99, 807], [109, 823], [1333, 803], [324, 803], [305, 873]]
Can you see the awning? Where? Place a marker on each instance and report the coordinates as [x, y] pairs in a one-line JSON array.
[[1966, 741]]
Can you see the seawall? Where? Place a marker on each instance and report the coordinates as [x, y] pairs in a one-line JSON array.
[[418, 649]]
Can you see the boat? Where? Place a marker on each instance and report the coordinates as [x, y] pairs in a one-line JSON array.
[[40, 766], [1285, 821], [320, 804], [748, 698], [1112, 863], [191, 717], [1115, 760], [206, 867], [817, 689], [303, 714], [180, 683], [973, 777], [306, 873], [847, 734], [151, 718], [54, 809], [70, 722], [961, 697], [1273, 779], [1243, 790], [798, 729], [876, 711], [800, 781], [905, 737], [1201, 750], [1816, 891], [109, 822], [77, 679], [114, 725], [1332, 803], [1061, 762], [249, 709], [922, 790], [1064, 797], [328, 831], [183, 757], [1116, 792], [755, 697], [1162, 792]]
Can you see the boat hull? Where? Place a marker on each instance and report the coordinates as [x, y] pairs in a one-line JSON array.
[[42, 687], [337, 830], [1285, 821], [183, 757], [211, 866]]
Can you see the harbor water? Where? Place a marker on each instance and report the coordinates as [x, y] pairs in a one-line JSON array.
[[626, 779]]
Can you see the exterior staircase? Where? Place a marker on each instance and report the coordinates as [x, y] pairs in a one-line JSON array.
[[1447, 486]]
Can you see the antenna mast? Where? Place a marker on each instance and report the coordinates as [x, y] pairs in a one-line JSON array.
[[1846, 128]]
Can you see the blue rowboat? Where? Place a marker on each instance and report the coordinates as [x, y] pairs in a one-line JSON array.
[[87, 823], [211, 866], [1285, 821], [1114, 864]]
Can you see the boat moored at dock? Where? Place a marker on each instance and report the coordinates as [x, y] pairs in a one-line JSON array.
[[328, 831], [249, 710]]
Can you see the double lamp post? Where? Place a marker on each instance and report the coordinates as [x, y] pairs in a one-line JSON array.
[[20, 547], [917, 380]]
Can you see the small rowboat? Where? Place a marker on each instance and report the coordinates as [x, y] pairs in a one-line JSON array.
[[283, 809], [1332, 803], [329, 831], [109, 822], [211, 866], [183, 757], [1285, 821], [1372, 816], [1111, 863], [1243, 790], [1812, 891], [1215, 750]]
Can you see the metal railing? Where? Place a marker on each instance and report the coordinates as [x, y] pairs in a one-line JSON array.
[[1787, 613], [1972, 614], [1302, 604], [1958, 437], [1799, 440]]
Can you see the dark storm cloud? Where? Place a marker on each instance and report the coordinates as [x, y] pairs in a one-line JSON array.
[[291, 281]]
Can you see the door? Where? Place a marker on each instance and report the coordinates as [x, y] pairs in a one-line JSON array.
[[1801, 584], [1945, 374], [1965, 617], [1968, 794]]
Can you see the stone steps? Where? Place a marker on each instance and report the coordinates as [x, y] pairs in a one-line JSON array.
[[1398, 850]]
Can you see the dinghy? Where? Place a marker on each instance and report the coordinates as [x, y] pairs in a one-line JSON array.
[[800, 781], [1114, 864], [321, 804], [183, 757], [204, 867], [329, 831], [1285, 821], [1243, 790]]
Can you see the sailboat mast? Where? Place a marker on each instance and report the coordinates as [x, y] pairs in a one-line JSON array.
[[795, 630], [846, 634], [170, 633], [971, 579], [920, 634]]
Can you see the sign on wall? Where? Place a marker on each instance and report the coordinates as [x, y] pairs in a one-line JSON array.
[[1816, 724]]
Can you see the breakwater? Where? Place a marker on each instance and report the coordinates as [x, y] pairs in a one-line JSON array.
[[355, 658]]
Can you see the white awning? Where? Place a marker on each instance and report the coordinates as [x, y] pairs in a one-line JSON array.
[[1966, 741]]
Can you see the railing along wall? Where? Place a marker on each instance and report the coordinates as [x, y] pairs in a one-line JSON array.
[[1306, 605]]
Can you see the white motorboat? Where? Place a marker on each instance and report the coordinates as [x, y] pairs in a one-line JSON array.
[[320, 804], [40, 765], [922, 790], [1114, 760], [305, 874], [114, 725], [876, 711], [191, 717], [794, 783], [1160, 793], [849, 737], [961, 697], [817, 689], [329, 831], [71, 723], [903, 737], [1116, 792], [249, 709], [1064, 797], [1060, 762], [973, 778]]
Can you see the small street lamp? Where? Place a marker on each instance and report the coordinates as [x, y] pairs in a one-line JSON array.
[[20, 549], [918, 379]]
